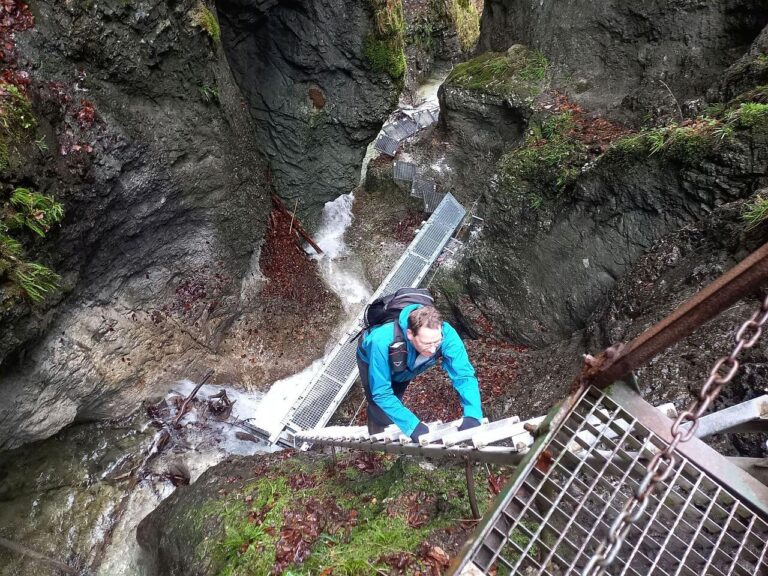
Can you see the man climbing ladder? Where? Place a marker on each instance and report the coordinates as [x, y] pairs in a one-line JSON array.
[[405, 337]]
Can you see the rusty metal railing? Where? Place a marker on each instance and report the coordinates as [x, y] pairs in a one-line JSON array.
[[647, 498]]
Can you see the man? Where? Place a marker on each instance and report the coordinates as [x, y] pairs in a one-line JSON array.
[[427, 338]]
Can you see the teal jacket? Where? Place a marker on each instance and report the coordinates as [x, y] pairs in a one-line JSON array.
[[374, 351]]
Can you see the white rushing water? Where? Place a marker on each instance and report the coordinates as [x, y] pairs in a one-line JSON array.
[[341, 273]]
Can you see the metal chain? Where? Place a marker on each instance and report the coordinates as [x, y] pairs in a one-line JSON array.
[[663, 463]]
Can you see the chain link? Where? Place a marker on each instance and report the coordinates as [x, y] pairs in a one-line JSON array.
[[663, 463]]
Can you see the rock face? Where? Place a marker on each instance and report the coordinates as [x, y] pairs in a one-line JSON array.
[[672, 270], [484, 109], [615, 211], [166, 203], [627, 58], [315, 101]]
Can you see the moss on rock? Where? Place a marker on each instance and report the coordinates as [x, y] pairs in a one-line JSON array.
[[549, 160], [17, 123], [384, 48], [517, 74]]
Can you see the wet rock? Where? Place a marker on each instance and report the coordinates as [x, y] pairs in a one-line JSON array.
[[168, 192], [281, 54], [628, 59], [486, 102], [748, 72], [593, 234]]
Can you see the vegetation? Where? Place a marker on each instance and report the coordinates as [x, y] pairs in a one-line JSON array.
[[17, 122], [751, 115], [26, 210], [384, 48], [203, 16], [366, 513], [689, 143], [210, 94], [518, 73], [466, 20], [549, 160], [756, 212]]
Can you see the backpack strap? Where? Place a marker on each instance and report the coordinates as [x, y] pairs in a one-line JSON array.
[[398, 351]]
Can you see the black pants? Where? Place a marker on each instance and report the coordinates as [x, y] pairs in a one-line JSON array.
[[377, 419]]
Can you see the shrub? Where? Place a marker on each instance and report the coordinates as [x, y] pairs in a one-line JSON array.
[[35, 280], [27, 210], [756, 212], [34, 211], [752, 115]]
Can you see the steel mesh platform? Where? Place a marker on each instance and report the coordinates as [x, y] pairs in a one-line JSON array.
[[559, 508], [405, 171], [420, 188], [401, 128], [386, 145]]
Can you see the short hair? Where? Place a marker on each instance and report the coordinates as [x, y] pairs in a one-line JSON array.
[[428, 316]]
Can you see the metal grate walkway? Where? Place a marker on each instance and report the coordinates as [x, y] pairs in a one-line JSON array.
[[323, 394], [710, 517]]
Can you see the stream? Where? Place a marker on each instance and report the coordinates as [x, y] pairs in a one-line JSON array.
[[71, 497]]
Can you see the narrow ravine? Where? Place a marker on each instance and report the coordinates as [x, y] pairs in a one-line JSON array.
[[89, 502]]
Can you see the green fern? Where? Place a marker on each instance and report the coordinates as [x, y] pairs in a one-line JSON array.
[[756, 212], [35, 280], [35, 211]]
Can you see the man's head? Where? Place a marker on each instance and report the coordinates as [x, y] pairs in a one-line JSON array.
[[425, 330]]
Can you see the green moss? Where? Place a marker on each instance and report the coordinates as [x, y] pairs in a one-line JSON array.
[[752, 115], [518, 73], [203, 16], [549, 161], [384, 56], [384, 49], [466, 21]]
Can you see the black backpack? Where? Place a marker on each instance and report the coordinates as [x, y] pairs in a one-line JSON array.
[[387, 309]]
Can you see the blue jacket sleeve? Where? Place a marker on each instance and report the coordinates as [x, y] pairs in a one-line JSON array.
[[459, 369], [379, 379]]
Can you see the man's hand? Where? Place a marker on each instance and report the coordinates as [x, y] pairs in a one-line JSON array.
[[420, 429], [468, 423]]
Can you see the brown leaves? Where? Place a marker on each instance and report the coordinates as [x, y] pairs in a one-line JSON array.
[[301, 528], [291, 273], [595, 133], [399, 561], [417, 508], [369, 463], [300, 481], [435, 557], [496, 482]]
